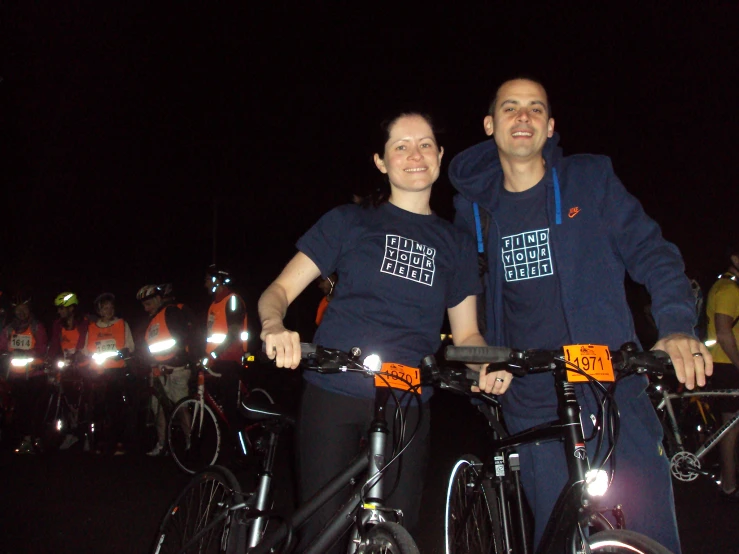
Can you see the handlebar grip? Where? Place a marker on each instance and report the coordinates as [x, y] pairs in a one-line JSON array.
[[477, 354]]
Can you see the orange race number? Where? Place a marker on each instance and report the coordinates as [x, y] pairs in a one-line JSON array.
[[593, 359], [399, 376]]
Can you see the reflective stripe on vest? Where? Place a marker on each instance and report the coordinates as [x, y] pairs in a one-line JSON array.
[[103, 344], [218, 324], [160, 341]]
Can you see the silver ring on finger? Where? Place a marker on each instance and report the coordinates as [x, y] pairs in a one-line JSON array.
[[697, 355], [500, 380]]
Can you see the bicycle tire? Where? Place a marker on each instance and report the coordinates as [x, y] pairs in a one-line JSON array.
[[472, 513], [389, 538], [202, 503], [621, 541], [205, 435]]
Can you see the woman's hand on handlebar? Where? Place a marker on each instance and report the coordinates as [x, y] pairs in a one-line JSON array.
[[495, 382], [281, 345]]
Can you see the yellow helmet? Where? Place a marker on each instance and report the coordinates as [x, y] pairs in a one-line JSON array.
[[66, 299]]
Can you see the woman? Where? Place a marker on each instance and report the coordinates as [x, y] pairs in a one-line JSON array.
[[401, 267]]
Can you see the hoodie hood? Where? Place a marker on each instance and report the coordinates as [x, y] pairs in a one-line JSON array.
[[476, 172]]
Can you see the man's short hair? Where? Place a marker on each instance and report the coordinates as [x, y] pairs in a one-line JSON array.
[[521, 77]]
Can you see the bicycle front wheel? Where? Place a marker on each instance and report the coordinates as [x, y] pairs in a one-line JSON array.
[[621, 541], [199, 520], [389, 538], [472, 515], [193, 435]]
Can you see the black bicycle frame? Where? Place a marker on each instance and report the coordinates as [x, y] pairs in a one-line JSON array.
[[371, 460], [566, 512]]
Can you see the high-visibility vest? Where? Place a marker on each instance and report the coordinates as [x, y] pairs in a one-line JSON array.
[[103, 344], [162, 345], [20, 343], [218, 328], [69, 340]]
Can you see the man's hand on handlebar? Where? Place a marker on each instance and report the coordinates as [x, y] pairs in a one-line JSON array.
[[495, 382], [690, 358], [281, 345]]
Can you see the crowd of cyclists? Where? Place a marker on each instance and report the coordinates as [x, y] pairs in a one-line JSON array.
[[99, 351]]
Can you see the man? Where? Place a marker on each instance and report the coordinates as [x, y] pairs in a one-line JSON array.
[[25, 339], [559, 234], [67, 332], [722, 311], [165, 339], [226, 339]]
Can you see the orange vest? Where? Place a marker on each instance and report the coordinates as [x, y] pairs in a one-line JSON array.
[[20, 343], [101, 340], [69, 340], [218, 329], [158, 339]]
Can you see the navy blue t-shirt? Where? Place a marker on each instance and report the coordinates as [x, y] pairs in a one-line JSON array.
[[532, 302], [398, 272]]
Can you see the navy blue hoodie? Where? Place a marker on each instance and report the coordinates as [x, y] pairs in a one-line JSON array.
[[598, 232]]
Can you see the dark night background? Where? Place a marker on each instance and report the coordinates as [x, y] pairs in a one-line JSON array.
[[125, 124]]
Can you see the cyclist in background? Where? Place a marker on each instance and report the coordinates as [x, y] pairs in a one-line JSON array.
[[25, 340], [68, 332], [165, 339], [722, 339], [226, 342], [168, 297], [104, 340]]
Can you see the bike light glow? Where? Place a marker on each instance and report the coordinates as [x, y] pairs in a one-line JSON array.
[[20, 362], [710, 342], [161, 346], [596, 482], [244, 336], [59, 424], [61, 364], [373, 363], [216, 339], [100, 357]]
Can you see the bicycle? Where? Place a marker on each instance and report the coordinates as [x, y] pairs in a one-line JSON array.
[[61, 406], [213, 515], [686, 460], [198, 445], [485, 511]]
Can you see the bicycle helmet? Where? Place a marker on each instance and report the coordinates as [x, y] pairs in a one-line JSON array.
[[218, 272], [21, 298], [103, 298], [66, 299], [167, 289], [148, 291]]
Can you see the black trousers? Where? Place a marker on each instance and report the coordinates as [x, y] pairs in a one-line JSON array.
[[331, 427]]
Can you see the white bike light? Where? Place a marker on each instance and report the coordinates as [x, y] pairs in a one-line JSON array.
[[373, 363], [20, 362], [61, 364], [596, 482]]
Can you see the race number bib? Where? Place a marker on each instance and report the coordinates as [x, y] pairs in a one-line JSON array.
[[153, 331], [106, 345], [593, 359], [399, 376], [20, 342]]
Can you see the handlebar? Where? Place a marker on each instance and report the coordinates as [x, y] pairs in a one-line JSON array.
[[522, 362]]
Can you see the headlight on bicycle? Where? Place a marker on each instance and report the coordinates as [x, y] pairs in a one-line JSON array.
[[373, 363], [61, 364], [596, 482]]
